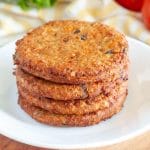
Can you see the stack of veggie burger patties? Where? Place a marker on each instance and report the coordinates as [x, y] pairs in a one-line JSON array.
[[72, 73]]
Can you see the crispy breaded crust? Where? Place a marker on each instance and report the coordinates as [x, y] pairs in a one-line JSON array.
[[78, 107], [44, 88], [46, 117], [72, 52]]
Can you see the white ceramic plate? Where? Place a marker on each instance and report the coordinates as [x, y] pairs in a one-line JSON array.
[[131, 121]]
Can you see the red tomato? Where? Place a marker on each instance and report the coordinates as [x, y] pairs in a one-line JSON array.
[[135, 5], [146, 13]]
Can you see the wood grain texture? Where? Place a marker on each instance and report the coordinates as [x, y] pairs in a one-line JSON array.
[[141, 142], [8, 144]]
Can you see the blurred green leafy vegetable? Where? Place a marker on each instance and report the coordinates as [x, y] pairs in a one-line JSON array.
[[27, 4]]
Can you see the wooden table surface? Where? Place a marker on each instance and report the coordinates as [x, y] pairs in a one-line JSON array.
[[141, 142]]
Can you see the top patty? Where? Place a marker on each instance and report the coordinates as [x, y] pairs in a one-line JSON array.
[[71, 51]]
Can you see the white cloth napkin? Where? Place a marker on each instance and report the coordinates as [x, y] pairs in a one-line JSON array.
[[13, 20]]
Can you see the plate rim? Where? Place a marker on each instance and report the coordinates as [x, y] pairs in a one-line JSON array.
[[76, 146]]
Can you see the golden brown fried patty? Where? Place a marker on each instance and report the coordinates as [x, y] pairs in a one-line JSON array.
[[46, 117], [44, 88], [72, 52], [83, 106]]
